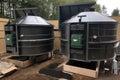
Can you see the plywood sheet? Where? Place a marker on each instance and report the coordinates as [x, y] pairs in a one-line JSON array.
[[54, 23], [2, 34], [2, 46], [117, 18], [21, 64], [57, 41], [4, 20], [81, 71], [2, 25], [57, 34]]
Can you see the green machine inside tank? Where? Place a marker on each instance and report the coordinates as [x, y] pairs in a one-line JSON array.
[[10, 39], [76, 40]]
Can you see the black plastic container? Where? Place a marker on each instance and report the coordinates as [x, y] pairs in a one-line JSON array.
[[89, 36], [32, 36]]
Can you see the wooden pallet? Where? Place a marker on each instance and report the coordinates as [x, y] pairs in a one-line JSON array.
[[18, 63], [3, 73], [6, 67], [82, 71]]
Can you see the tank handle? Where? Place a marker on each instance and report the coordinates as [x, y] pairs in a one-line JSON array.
[[81, 16]]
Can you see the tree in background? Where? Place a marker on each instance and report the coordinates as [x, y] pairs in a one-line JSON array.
[[97, 7], [48, 9], [115, 12], [64, 2], [103, 10]]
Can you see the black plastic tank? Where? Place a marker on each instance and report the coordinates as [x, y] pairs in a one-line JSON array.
[[89, 36], [28, 36]]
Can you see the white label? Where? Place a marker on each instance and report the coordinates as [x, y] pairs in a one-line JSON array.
[[8, 39], [94, 37], [21, 35], [75, 40]]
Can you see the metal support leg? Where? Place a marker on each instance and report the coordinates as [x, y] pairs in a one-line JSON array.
[[115, 69]]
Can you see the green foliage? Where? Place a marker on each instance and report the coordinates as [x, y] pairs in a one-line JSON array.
[[48, 9], [97, 7], [115, 12], [73, 1], [83, 1]]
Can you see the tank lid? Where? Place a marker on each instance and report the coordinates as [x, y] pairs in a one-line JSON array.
[[32, 20], [90, 17]]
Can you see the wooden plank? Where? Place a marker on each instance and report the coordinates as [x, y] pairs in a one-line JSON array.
[[2, 34], [21, 64], [6, 57], [55, 23], [62, 79], [117, 18], [82, 71], [4, 20], [2, 46], [57, 34], [2, 52], [2, 24], [57, 41], [8, 70], [6, 67]]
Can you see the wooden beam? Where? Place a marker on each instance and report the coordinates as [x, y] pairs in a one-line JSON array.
[[82, 71]]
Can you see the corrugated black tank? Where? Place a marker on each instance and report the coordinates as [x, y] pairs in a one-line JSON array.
[[90, 38], [33, 36]]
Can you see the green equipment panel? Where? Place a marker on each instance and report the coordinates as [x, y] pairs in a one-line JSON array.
[[76, 40], [9, 39]]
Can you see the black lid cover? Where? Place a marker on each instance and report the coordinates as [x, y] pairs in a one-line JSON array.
[[90, 17], [32, 20]]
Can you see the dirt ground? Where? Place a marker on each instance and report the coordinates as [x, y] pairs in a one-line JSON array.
[[32, 73]]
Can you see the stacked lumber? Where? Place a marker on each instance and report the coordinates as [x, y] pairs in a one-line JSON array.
[[2, 35], [5, 68]]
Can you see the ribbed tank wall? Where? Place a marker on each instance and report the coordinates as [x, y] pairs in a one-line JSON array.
[[89, 41], [102, 39], [102, 32], [35, 32], [29, 36], [35, 39]]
